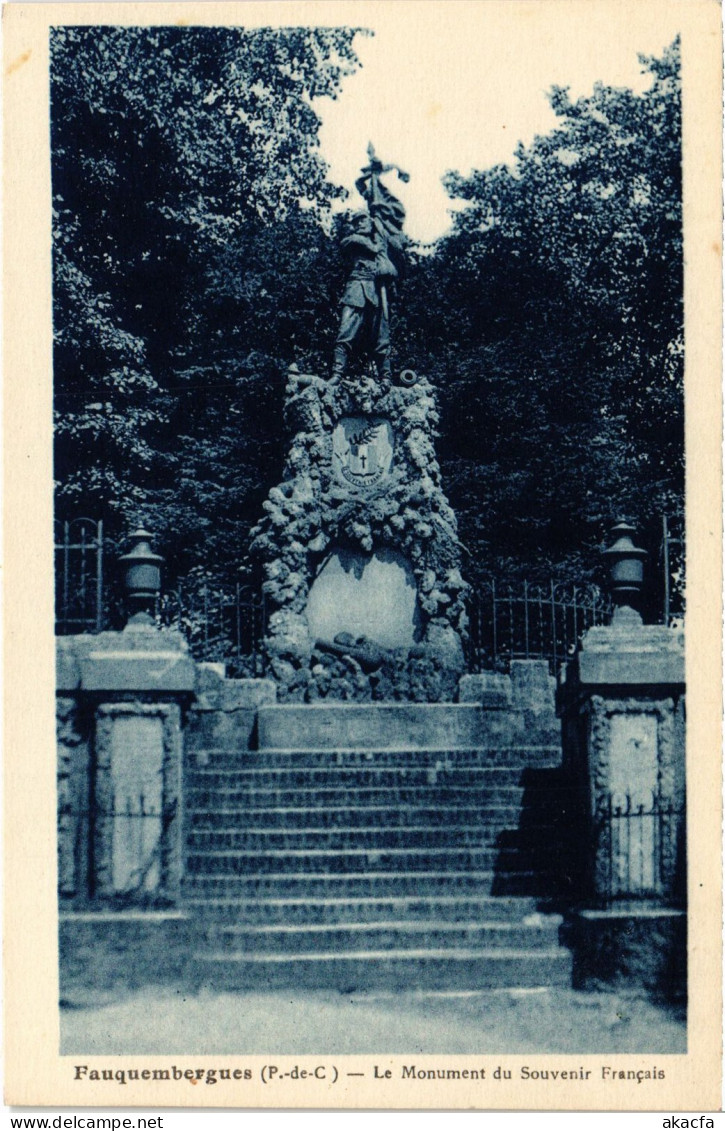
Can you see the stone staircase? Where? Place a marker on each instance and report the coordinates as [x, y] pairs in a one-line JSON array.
[[347, 852]]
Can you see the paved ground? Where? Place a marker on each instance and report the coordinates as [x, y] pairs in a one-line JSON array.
[[505, 1021]]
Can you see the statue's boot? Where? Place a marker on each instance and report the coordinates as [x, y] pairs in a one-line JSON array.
[[339, 363]]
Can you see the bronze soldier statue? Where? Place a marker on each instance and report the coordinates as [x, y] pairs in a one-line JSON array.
[[374, 246]]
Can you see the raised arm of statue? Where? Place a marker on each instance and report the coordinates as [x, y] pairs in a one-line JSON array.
[[357, 242]]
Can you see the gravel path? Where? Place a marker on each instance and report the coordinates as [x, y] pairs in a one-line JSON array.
[[504, 1021]]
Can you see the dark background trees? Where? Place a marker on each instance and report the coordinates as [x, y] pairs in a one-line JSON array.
[[196, 258], [191, 263], [557, 344]]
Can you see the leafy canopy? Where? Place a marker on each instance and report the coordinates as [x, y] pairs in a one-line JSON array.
[[196, 257]]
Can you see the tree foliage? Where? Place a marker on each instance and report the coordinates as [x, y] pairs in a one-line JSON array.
[[558, 338], [196, 257], [186, 179]]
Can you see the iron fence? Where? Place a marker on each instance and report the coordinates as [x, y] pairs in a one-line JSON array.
[[531, 622], [507, 621], [220, 625], [82, 590], [671, 564], [639, 850]]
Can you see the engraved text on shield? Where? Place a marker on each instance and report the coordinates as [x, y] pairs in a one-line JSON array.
[[362, 450]]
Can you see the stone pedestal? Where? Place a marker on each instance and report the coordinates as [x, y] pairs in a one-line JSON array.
[[360, 549], [223, 716], [621, 700], [121, 698], [626, 948], [386, 726], [527, 693]]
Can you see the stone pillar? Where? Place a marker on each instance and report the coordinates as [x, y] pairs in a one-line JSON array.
[[621, 700], [120, 818]]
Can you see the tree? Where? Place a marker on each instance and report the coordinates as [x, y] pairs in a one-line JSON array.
[[183, 160], [558, 341], [196, 257]]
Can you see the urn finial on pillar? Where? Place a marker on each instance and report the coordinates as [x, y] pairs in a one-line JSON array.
[[626, 573], [142, 579]]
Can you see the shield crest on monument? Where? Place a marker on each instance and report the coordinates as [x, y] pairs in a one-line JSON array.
[[362, 450]]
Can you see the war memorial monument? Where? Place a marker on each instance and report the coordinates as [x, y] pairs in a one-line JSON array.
[[368, 814]]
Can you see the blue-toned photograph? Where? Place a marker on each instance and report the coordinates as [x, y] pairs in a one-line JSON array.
[[370, 538]]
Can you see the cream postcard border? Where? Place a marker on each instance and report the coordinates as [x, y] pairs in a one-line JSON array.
[[34, 1071]]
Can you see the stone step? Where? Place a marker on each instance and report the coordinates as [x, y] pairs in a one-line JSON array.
[[363, 909], [446, 795], [541, 933], [334, 776], [255, 839], [385, 726], [518, 756], [351, 816], [354, 860], [372, 883], [463, 968]]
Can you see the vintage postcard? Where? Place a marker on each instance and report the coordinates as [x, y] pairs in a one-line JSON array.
[[362, 554]]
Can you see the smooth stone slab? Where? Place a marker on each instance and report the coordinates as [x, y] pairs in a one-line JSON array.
[[623, 668], [365, 595], [379, 726], [140, 658], [633, 762], [648, 654], [137, 757], [137, 671]]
